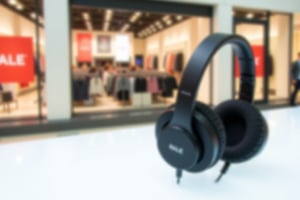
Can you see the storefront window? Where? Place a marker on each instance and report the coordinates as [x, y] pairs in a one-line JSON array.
[[269, 36], [130, 59], [296, 41], [20, 69]]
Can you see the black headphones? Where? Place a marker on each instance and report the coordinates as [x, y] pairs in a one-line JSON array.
[[191, 136]]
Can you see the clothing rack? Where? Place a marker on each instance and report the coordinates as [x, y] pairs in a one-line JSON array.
[[143, 73], [142, 82]]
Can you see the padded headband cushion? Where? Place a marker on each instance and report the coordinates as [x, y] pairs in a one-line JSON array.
[[246, 130], [186, 98]]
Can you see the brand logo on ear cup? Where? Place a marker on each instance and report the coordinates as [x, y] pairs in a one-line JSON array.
[[186, 93], [176, 149]]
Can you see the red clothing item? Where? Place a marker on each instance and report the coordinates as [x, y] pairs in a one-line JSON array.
[[170, 63], [148, 63], [152, 85]]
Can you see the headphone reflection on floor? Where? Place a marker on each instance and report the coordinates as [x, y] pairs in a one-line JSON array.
[[193, 137]]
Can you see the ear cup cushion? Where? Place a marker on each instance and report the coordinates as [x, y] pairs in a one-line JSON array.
[[201, 111], [163, 120], [246, 130], [216, 123]]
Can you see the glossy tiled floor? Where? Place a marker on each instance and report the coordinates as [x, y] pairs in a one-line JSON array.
[[124, 164]]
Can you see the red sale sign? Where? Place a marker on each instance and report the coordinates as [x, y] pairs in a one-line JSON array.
[[259, 55], [16, 59], [84, 47]]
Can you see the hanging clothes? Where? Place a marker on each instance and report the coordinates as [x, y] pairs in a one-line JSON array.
[[122, 88], [178, 63], [151, 62], [154, 62], [131, 80], [167, 85], [122, 83], [165, 61], [96, 86], [80, 90], [140, 85], [111, 81], [152, 85], [148, 63], [105, 75], [123, 95], [170, 64]]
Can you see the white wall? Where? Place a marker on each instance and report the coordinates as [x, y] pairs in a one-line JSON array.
[[139, 46], [12, 24], [296, 36], [7, 21]]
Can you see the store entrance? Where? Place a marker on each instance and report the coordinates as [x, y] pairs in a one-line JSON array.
[[255, 31], [130, 57]]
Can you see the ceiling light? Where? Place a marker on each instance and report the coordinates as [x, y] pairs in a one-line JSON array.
[[149, 31], [89, 25], [12, 2], [125, 27], [86, 16], [33, 15], [153, 29], [249, 15], [19, 6], [158, 24], [106, 26], [169, 22], [166, 18], [179, 17], [141, 34], [108, 14], [135, 16]]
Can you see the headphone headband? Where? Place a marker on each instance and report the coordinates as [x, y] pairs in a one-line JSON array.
[[186, 98]]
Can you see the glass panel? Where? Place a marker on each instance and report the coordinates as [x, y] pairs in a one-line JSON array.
[[279, 61], [18, 97], [254, 33], [136, 64], [296, 43]]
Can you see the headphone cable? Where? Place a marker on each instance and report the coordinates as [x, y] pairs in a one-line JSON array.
[[223, 171], [178, 175]]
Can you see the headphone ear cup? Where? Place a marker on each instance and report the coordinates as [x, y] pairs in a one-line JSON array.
[[216, 137], [163, 120], [246, 130]]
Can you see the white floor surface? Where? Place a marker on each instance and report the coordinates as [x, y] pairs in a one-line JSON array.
[[124, 164]]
